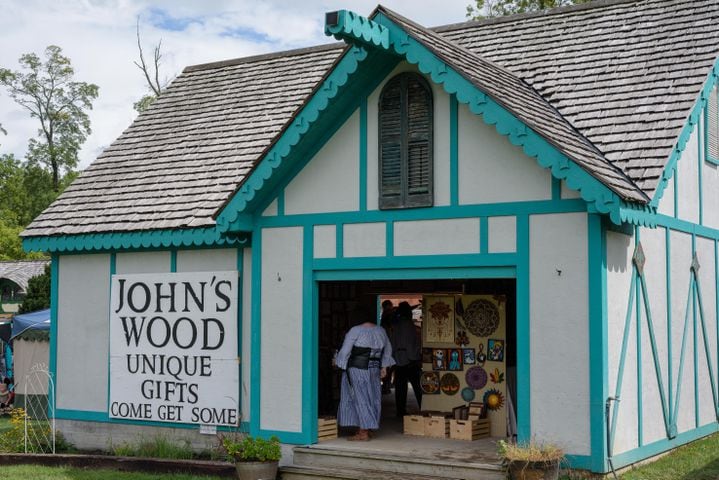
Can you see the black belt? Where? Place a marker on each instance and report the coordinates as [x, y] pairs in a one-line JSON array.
[[361, 357]]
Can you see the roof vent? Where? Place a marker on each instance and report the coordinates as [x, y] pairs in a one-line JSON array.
[[332, 18]]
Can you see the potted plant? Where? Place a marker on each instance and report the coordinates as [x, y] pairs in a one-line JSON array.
[[531, 461], [255, 458]]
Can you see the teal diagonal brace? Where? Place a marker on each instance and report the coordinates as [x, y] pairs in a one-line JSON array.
[[623, 354], [655, 354], [678, 390], [346, 25], [706, 347]]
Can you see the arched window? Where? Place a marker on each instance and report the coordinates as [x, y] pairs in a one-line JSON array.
[[405, 138], [712, 123]]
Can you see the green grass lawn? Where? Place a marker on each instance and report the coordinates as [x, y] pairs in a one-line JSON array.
[[5, 423], [25, 472], [697, 461]]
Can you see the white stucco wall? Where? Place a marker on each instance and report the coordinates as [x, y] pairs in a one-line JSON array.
[[325, 241], [281, 330], [82, 332], [142, 262], [559, 330], [707, 285], [502, 234], [436, 237], [666, 203], [567, 193], [364, 240], [209, 260], [489, 165], [330, 181], [688, 180], [441, 140]]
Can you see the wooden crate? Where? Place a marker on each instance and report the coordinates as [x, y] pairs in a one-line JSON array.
[[469, 429], [414, 425], [436, 427], [326, 428], [476, 408]]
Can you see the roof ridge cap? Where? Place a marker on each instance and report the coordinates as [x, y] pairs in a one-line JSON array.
[[263, 56], [590, 5]]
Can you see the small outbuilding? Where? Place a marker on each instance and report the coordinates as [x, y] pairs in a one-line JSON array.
[[546, 183]]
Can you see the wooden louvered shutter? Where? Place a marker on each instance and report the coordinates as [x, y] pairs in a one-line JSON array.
[[713, 126], [405, 124]]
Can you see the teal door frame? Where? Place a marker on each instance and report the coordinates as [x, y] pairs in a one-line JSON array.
[[517, 269]]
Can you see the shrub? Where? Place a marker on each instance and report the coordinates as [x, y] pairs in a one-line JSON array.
[[157, 447], [252, 449], [529, 452]]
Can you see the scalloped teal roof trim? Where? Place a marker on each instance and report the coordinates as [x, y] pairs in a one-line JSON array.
[[328, 90], [151, 239], [361, 27], [641, 215], [687, 130]]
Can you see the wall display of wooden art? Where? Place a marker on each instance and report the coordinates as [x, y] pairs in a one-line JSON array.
[[438, 325], [426, 355], [474, 353], [429, 381]]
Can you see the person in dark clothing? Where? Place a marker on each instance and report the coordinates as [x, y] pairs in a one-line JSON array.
[[407, 351], [387, 321]]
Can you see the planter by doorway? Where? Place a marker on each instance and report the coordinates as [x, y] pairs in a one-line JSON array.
[[256, 470], [519, 470]]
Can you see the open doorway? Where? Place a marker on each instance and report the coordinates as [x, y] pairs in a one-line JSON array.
[[467, 330]]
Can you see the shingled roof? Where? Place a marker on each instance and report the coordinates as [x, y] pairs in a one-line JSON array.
[[620, 77], [21, 271]]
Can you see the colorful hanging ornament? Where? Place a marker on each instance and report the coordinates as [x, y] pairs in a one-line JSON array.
[[496, 376], [468, 394], [481, 357], [476, 378], [449, 384], [461, 339], [493, 399]]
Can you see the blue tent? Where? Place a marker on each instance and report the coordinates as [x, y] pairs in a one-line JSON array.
[[39, 320]]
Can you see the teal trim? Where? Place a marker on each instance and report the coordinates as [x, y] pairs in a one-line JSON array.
[[390, 240], [483, 235], [434, 213], [716, 307], [693, 119], [310, 343], [680, 375], [670, 368], [240, 265], [150, 239], [54, 295], [453, 150], [661, 446], [710, 368], [556, 189], [638, 337], [578, 462], [700, 168], [103, 417], [695, 350], [340, 234], [350, 23], [524, 421], [336, 96], [623, 354], [281, 203], [173, 260], [415, 274], [417, 261], [256, 325], [534, 145], [687, 227], [363, 156], [113, 270], [598, 343]]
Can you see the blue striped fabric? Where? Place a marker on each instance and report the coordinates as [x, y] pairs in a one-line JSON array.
[[361, 401]]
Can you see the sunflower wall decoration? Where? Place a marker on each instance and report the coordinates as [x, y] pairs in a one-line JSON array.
[[493, 399]]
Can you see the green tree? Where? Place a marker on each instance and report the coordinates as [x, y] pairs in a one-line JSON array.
[[47, 90], [37, 295], [497, 8]]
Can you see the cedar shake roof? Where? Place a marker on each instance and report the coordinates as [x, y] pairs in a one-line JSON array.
[[609, 83], [21, 271]]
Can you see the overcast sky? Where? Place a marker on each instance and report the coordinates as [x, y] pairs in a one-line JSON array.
[[99, 38]]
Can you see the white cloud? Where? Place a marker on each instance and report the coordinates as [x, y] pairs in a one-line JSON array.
[[99, 38]]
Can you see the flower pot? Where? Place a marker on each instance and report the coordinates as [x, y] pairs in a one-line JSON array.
[[256, 470], [534, 470]]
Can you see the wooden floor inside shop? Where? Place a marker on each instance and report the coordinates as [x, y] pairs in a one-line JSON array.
[[390, 440]]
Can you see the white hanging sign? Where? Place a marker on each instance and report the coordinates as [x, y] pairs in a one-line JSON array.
[[173, 348]]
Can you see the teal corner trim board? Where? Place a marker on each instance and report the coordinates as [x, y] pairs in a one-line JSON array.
[[362, 32], [692, 121], [148, 239]]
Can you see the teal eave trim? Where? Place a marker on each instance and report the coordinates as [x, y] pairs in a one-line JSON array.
[[692, 121], [372, 34], [335, 95], [147, 239]]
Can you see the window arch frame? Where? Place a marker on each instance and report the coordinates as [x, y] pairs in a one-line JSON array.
[[423, 196]]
